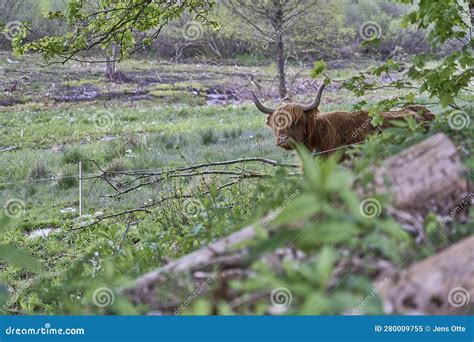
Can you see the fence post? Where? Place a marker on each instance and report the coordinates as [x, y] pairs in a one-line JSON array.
[[80, 188]]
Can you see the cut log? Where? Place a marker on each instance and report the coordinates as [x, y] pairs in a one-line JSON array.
[[439, 285], [426, 177]]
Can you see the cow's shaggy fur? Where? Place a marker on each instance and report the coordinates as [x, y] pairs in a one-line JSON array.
[[325, 132]]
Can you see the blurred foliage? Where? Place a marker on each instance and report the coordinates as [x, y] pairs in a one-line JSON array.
[[30, 13], [12, 254], [330, 30]]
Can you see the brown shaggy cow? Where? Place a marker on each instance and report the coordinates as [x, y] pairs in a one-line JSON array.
[[320, 132]]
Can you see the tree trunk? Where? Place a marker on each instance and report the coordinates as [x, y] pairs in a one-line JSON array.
[[110, 68], [112, 73], [280, 52], [281, 67], [471, 11]]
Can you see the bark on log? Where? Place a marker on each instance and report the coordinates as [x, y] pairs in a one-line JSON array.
[[439, 285], [426, 177]]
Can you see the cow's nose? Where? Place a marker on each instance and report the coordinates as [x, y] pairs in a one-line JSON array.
[[282, 139]]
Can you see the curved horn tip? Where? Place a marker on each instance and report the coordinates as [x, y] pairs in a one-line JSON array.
[[317, 100], [260, 106]]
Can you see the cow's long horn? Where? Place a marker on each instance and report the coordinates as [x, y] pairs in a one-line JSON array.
[[260, 106], [316, 101]]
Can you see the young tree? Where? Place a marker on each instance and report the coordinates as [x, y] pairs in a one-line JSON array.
[[273, 19]]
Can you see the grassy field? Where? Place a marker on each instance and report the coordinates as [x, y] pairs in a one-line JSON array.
[[164, 117]]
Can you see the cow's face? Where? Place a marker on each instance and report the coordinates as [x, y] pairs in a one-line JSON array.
[[288, 122], [287, 126]]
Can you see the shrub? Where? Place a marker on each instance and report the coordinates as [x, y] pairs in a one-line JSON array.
[[232, 134], [72, 155], [68, 178], [208, 137], [39, 170]]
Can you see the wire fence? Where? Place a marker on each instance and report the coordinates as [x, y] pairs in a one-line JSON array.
[[85, 192]]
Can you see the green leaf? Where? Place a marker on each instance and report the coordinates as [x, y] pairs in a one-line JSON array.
[[411, 122], [300, 208], [431, 224], [318, 68], [12, 254], [4, 222], [4, 294], [325, 232], [213, 190], [325, 264], [395, 231], [310, 167], [399, 123], [371, 42]]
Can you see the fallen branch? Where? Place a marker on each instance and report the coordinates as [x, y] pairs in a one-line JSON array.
[[143, 289], [146, 208], [238, 174], [10, 148], [143, 176]]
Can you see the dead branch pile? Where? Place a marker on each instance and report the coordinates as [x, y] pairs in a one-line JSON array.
[[232, 172]]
